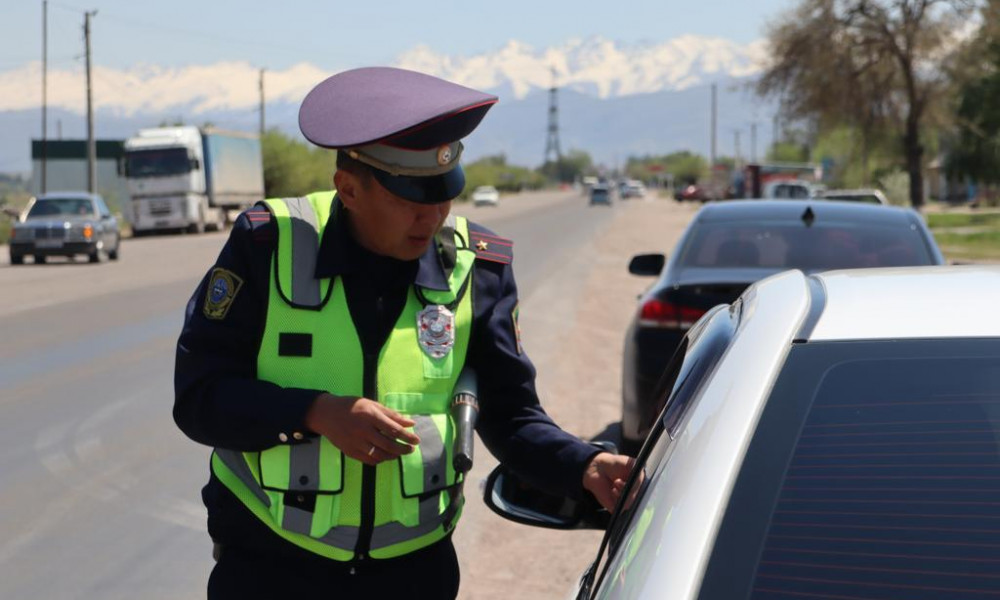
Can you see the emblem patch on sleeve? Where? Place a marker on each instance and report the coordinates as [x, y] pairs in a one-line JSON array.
[[223, 286], [514, 314]]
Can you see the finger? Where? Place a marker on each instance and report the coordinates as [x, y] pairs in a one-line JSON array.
[[395, 430], [606, 499], [391, 447], [369, 455], [396, 417]]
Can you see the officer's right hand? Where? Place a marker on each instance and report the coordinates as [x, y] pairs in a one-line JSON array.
[[363, 429]]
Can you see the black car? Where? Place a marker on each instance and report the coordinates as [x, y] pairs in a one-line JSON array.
[[65, 224], [728, 246]]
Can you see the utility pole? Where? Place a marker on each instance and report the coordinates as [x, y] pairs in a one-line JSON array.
[[753, 142], [262, 103], [552, 141], [714, 112], [91, 143], [45, 83]]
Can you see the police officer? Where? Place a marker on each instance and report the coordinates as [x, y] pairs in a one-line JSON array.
[[319, 353]]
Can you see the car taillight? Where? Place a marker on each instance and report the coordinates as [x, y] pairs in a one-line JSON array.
[[657, 313]]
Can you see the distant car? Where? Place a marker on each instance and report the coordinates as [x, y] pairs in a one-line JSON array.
[[870, 195], [729, 245], [693, 192], [65, 224], [791, 189], [633, 188], [600, 194], [824, 437], [485, 195]]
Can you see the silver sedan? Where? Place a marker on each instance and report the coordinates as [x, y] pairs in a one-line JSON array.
[[65, 224], [825, 436]]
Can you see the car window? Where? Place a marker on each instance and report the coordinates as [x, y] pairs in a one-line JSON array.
[[874, 473], [102, 208], [49, 207], [699, 353], [790, 245]]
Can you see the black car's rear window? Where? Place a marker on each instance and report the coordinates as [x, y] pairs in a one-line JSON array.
[[793, 245], [875, 474]]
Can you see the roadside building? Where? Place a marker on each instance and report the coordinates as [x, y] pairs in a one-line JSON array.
[[66, 169]]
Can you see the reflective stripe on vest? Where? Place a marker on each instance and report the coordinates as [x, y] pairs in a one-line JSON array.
[[310, 493]]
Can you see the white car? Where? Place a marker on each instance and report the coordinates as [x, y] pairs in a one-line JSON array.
[[827, 436], [485, 195], [868, 195]]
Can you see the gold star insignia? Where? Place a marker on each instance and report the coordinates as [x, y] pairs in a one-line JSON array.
[[482, 245]]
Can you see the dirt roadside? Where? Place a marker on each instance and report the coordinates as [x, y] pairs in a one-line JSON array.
[[573, 328]]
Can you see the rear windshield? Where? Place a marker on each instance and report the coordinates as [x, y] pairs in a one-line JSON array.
[[785, 245], [874, 474], [49, 207]]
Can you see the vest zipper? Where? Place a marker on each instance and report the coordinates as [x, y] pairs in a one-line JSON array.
[[368, 472]]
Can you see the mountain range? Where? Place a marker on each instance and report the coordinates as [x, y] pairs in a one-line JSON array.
[[614, 100]]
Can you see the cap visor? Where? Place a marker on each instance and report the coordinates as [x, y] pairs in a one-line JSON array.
[[424, 190]]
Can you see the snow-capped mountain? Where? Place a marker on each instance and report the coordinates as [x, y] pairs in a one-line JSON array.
[[595, 66], [616, 99]]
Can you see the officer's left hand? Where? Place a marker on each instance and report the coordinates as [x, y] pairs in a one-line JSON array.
[[605, 477]]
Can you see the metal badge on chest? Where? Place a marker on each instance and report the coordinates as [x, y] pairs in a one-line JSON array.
[[436, 330]]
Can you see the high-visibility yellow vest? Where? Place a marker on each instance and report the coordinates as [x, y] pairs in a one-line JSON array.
[[310, 493]]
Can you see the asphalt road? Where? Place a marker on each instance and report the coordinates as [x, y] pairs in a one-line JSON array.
[[99, 491]]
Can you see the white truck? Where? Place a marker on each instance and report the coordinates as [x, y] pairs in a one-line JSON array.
[[190, 178]]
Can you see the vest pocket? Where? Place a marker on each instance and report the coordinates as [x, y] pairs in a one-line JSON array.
[[304, 482]]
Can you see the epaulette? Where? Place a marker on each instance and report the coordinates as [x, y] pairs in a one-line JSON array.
[[259, 216], [491, 247]]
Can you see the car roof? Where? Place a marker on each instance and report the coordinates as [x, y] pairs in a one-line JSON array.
[[76, 195], [791, 209], [907, 303]]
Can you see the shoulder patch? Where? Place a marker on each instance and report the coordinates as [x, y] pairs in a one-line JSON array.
[[259, 217], [491, 247], [223, 285]]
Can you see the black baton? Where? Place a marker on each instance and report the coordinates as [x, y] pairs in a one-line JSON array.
[[464, 410]]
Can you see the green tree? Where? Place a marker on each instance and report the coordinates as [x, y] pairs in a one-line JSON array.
[[685, 167], [294, 168], [494, 170], [975, 149], [573, 165], [863, 63]]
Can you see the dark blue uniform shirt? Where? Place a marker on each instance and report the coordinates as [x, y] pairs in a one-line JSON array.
[[220, 402]]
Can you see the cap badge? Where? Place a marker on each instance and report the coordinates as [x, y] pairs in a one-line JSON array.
[[436, 330], [482, 245], [444, 155]]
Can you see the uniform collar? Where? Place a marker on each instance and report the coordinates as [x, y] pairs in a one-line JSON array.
[[340, 254]]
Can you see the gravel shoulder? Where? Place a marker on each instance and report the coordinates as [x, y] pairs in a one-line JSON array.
[[573, 328]]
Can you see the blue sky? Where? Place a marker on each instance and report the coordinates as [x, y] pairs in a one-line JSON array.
[[339, 35]]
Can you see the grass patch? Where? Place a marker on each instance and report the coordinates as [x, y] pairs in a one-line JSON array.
[[938, 220], [980, 245]]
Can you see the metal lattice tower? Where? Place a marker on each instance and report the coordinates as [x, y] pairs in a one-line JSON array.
[[552, 141]]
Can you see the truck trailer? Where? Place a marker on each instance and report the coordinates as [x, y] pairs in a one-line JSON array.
[[190, 178]]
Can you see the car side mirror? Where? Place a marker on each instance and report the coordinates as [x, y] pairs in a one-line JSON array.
[[514, 499], [195, 164], [647, 264]]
